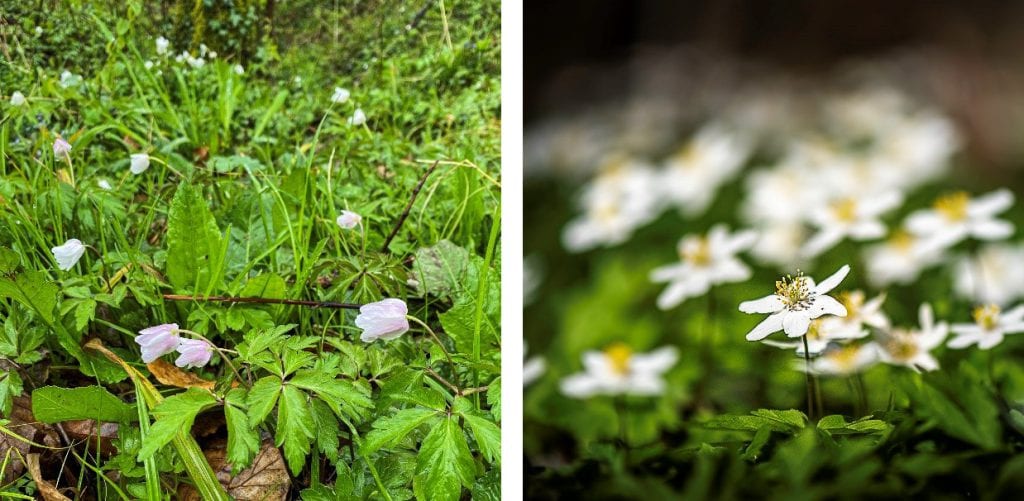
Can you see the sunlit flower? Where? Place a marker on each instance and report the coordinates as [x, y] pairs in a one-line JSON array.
[[704, 261], [616, 202], [385, 319], [912, 348], [850, 217], [993, 275], [533, 367], [194, 353], [690, 178], [157, 341], [68, 254], [61, 148], [989, 327], [18, 99], [139, 163], [843, 360], [957, 216], [349, 219], [162, 45], [797, 301], [617, 371], [340, 95], [899, 259], [358, 117]]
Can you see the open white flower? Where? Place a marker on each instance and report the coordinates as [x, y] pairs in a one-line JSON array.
[[797, 301], [993, 275], [820, 336], [690, 178], [704, 262], [358, 118], [68, 254], [842, 360], [850, 217], [956, 216], [899, 259], [17, 99], [989, 327], [615, 203], [619, 371], [340, 95], [348, 219], [859, 313], [162, 45], [912, 348], [139, 163], [533, 367]]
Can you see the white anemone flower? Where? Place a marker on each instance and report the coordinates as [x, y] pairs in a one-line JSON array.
[[162, 45], [104, 184], [68, 254], [705, 261], [17, 99], [139, 163], [860, 312], [615, 203], [842, 360], [348, 219], [912, 348], [779, 244], [821, 334], [340, 95], [797, 301], [957, 216], [993, 275], [238, 69], [989, 327], [690, 179], [900, 259], [533, 368], [358, 118], [850, 217], [619, 371]]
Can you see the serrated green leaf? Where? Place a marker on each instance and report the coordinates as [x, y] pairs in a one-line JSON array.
[[9, 260], [266, 285], [444, 464], [832, 421], [494, 398], [753, 450], [343, 397], [327, 429], [388, 431], [52, 404], [261, 399], [84, 313], [243, 438], [174, 414], [485, 431], [294, 427], [194, 247], [10, 387], [32, 289], [439, 269]]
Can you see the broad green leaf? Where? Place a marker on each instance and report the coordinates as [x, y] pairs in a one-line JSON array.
[[260, 341], [444, 464], [194, 247], [174, 414], [261, 399], [266, 285], [343, 397], [10, 387], [440, 268], [488, 486], [486, 433], [460, 324], [9, 260], [788, 421], [389, 431], [243, 438], [52, 404], [753, 450], [294, 427], [31, 289], [327, 429]]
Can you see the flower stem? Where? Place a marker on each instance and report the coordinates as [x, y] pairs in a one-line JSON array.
[[436, 339], [810, 382]]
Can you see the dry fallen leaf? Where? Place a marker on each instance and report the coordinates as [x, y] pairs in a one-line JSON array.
[[266, 480], [170, 375], [24, 424], [85, 430], [46, 489]]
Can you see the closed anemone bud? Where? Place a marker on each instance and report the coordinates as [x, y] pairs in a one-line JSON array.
[[358, 118], [61, 148], [349, 219], [340, 95], [239, 70], [162, 45], [157, 341], [194, 353], [17, 99], [140, 162], [67, 255], [384, 319]]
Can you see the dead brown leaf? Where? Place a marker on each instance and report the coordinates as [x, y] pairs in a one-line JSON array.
[[85, 430], [24, 424], [168, 374], [266, 480], [46, 489]]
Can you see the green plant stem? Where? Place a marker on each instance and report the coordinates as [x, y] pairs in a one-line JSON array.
[[810, 383], [436, 339]]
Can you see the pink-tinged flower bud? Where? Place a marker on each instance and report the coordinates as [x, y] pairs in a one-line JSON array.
[[157, 341], [358, 117], [61, 148], [382, 320], [349, 219], [194, 353], [139, 163], [68, 254]]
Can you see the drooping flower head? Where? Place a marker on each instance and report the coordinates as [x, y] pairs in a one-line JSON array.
[[17, 99], [797, 301], [68, 254], [340, 95], [157, 341], [619, 371], [358, 117], [139, 163], [61, 148], [385, 319], [348, 219], [194, 353]]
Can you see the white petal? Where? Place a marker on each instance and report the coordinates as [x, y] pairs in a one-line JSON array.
[[924, 222], [868, 230], [669, 272], [962, 341], [741, 241], [580, 386], [675, 293], [826, 305], [832, 281], [767, 304], [991, 229], [655, 362], [822, 241], [925, 361], [767, 326], [795, 323], [645, 385], [926, 317], [990, 340], [990, 203]]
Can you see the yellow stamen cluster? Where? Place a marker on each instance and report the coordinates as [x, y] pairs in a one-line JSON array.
[[902, 240], [845, 209], [619, 355], [953, 205], [814, 330], [986, 316], [853, 301], [845, 357], [900, 345], [696, 252], [794, 291]]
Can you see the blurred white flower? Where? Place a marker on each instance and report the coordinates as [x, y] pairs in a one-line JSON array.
[[348, 219], [203, 50], [917, 150], [989, 327], [912, 348], [853, 218], [704, 261], [690, 178], [297, 80], [104, 184], [820, 335], [195, 62], [139, 163], [148, 65], [385, 319], [162, 45], [238, 69], [61, 148], [358, 117], [616, 202], [859, 313], [619, 371], [994, 275], [67, 79], [183, 56], [533, 368], [68, 254], [956, 216], [532, 278], [843, 360], [779, 244], [784, 194], [39, 31], [18, 99], [340, 95], [797, 301], [899, 259]]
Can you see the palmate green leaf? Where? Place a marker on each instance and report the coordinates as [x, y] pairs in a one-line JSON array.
[[460, 324], [787, 421], [261, 399], [341, 395], [52, 404], [440, 268], [32, 289], [173, 414], [10, 387], [259, 341], [388, 431], [444, 464], [294, 427], [194, 247], [243, 438], [327, 429], [485, 431], [837, 425], [494, 398]]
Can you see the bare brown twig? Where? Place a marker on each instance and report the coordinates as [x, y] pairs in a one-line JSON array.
[[262, 300], [408, 207]]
